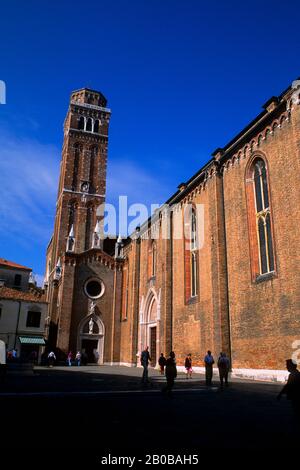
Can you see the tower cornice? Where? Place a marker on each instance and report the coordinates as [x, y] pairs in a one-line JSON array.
[[90, 106]]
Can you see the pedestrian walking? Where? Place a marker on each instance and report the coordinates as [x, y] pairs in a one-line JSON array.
[[69, 358], [171, 373], [162, 363], [292, 387], [51, 359], [188, 366], [145, 359], [224, 367], [78, 358], [209, 362]]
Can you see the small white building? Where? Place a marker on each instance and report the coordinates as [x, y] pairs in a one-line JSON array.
[[23, 321]]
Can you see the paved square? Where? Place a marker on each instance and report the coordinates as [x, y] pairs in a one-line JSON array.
[[108, 408]]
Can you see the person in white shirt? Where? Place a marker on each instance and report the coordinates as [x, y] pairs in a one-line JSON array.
[[51, 358]]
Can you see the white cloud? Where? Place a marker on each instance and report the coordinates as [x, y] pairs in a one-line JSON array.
[[140, 186], [39, 278], [28, 182]]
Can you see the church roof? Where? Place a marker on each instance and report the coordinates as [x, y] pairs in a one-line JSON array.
[[11, 264], [7, 293]]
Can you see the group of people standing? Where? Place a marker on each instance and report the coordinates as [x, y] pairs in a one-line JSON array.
[[79, 359], [169, 369], [223, 366]]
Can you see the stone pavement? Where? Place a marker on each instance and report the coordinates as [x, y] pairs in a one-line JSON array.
[[103, 378], [93, 410]]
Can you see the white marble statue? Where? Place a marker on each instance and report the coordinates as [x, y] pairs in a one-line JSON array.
[[91, 326]]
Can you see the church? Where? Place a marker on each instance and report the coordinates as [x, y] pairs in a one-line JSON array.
[[216, 267]]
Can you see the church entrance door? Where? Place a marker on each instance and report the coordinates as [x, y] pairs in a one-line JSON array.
[[90, 346], [153, 345]]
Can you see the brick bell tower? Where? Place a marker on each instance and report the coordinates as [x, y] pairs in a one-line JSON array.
[[81, 192]]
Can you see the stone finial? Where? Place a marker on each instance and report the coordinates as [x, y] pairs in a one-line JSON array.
[[97, 235], [58, 270], [71, 240], [119, 248]]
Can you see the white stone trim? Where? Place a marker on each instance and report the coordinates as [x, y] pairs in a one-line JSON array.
[[99, 336], [197, 369], [265, 375], [125, 364], [268, 375]]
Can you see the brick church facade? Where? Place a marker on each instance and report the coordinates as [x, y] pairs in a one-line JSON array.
[[235, 291]]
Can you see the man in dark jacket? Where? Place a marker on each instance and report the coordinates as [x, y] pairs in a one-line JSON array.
[[292, 387], [162, 363], [145, 359], [171, 373], [209, 362], [224, 367]]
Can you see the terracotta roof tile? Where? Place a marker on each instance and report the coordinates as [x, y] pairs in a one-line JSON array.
[[14, 294], [11, 264]]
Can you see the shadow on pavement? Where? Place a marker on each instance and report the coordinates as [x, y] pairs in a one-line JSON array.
[[73, 415]]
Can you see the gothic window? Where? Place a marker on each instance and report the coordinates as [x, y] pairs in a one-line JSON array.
[[89, 125], [191, 255], [88, 228], [260, 219], [93, 163], [153, 260], [152, 255], [77, 151], [96, 126], [71, 215], [125, 291], [81, 123]]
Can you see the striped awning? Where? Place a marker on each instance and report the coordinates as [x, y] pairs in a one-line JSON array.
[[32, 340]]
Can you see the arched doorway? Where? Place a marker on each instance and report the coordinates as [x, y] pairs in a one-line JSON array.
[[90, 339], [149, 326], [152, 330]]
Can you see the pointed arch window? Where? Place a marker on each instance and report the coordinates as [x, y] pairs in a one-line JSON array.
[[88, 227], [152, 259], [81, 123], [93, 166], [89, 125], [260, 219], [77, 152], [125, 283], [191, 256]]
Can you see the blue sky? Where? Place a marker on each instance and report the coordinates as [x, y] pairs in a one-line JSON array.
[[181, 78]]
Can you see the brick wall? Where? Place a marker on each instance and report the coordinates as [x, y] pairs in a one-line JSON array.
[[265, 315]]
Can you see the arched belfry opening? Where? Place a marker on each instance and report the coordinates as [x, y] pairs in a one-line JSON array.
[[90, 338]]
